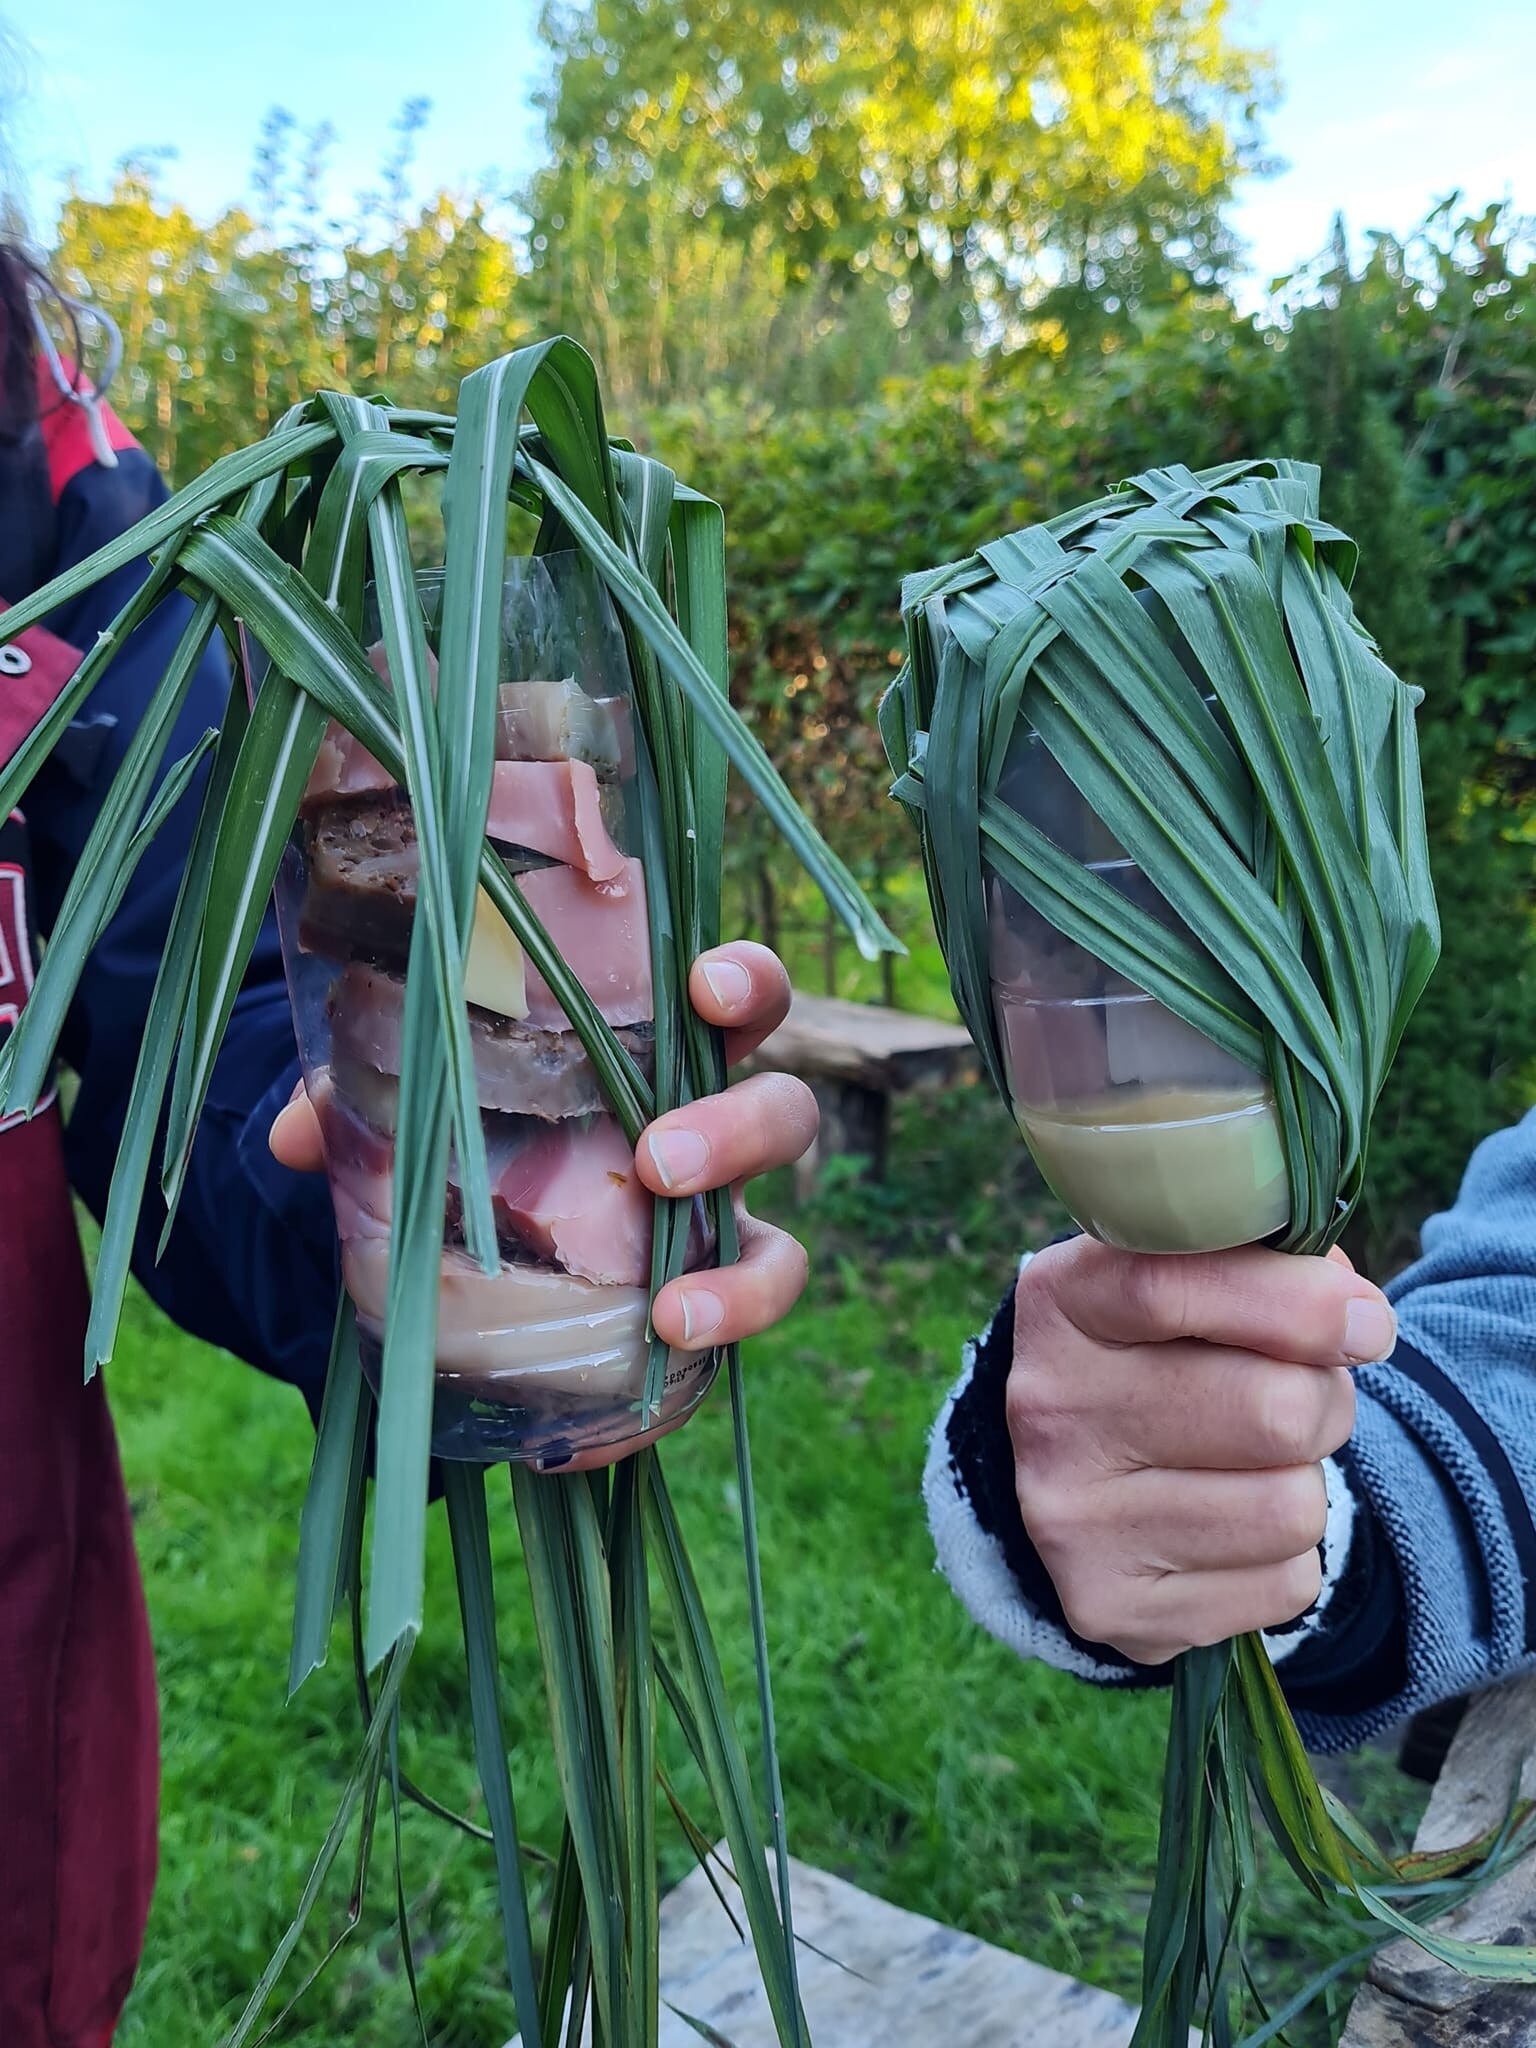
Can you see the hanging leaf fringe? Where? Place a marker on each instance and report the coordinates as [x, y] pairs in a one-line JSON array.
[[276, 545]]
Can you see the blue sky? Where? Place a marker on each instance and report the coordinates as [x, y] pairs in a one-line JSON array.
[[1386, 107]]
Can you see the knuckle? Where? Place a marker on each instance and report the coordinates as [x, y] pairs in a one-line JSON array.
[[1055, 1518], [1288, 1417], [1036, 1293], [1091, 1608], [1157, 1295], [1041, 1423], [1298, 1510], [1019, 1411], [1043, 1330], [1297, 1584]]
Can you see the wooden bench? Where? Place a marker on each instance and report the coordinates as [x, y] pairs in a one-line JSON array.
[[855, 1057], [870, 1974], [1411, 2001]]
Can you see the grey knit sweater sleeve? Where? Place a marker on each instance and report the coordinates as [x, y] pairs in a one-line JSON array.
[[1430, 1557]]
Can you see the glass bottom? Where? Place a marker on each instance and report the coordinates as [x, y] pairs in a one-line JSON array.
[[1165, 1169], [532, 1364], [477, 1422]]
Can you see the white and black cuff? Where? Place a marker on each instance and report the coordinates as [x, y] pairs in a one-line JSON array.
[[984, 1550]]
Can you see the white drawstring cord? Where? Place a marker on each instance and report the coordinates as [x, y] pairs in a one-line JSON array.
[[88, 400]]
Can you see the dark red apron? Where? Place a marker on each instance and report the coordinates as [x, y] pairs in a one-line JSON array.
[[78, 1737]]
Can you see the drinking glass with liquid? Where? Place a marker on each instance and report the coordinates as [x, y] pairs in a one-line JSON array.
[[1153, 1137]]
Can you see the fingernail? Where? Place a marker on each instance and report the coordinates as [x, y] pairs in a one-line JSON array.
[[287, 1115], [703, 1313], [729, 983], [1370, 1331], [678, 1156], [551, 1461]]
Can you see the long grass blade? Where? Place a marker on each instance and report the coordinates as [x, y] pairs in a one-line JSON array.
[[565, 1944], [724, 1761], [757, 1608], [364, 485], [1485, 1961], [638, 600], [165, 527], [353, 1920], [277, 755], [173, 984], [464, 1492], [402, 1904], [361, 1788], [547, 1511], [637, 1706], [702, 2028], [397, 1579], [333, 1500]]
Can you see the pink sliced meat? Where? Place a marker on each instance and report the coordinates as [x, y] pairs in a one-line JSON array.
[[344, 766], [360, 1166], [557, 721], [601, 929], [572, 1196], [554, 808]]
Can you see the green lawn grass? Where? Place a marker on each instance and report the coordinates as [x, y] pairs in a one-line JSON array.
[[920, 1760]]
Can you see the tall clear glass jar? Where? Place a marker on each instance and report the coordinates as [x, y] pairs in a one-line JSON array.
[[546, 1359]]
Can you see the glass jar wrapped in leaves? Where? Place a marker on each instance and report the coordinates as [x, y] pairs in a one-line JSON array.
[[490, 1019], [1169, 805], [548, 1356]]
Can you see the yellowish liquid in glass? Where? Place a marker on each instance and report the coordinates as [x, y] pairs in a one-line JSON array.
[[1166, 1169]]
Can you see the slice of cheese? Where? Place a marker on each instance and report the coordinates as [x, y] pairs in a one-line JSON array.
[[495, 974]]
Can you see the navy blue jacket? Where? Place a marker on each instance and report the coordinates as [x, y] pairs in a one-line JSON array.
[[252, 1262]]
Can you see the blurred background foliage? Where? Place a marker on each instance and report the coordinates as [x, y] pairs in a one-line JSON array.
[[889, 280]]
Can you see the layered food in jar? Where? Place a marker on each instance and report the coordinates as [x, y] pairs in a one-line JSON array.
[[1154, 1138], [548, 1356]]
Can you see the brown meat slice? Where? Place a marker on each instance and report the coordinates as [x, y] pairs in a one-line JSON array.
[[518, 1070], [363, 868], [363, 864]]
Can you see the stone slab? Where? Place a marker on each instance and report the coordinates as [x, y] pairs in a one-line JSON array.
[[1411, 2001], [872, 1975]]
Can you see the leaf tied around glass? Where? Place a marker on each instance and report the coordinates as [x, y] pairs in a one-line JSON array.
[[1169, 805], [491, 800]]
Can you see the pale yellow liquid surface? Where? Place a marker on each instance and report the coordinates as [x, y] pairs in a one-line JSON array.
[[1166, 1169]]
